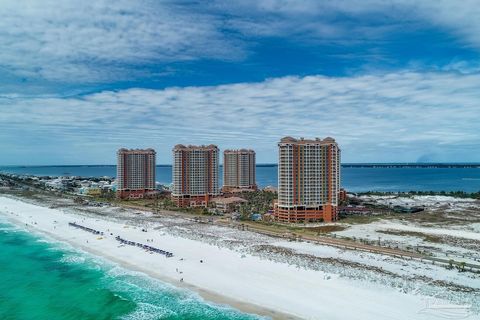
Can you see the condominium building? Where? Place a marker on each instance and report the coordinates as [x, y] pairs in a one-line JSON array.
[[238, 169], [308, 180], [195, 175], [135, 173]]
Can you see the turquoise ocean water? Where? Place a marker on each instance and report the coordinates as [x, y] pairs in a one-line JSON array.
[[45, 280]]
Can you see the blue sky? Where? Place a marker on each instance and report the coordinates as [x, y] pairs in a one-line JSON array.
[[392, 81]]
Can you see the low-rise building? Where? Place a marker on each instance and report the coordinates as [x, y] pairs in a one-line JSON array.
[[229, 204]]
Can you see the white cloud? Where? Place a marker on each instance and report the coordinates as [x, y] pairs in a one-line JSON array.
[[393, 117], [92, 41], [462, 17], [350, 20], [106, 41]]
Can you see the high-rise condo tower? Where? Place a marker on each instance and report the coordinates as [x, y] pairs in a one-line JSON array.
[[135, 173], [308, 180], [239, 169], [195, 175]]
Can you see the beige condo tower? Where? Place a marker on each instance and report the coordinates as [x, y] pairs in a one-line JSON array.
[[308, 180], [194, 175], [135, 173], [239, 170]]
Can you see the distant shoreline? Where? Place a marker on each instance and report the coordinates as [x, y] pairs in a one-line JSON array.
[[344, 165]]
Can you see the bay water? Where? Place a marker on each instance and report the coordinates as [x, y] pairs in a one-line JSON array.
[[354, 179]]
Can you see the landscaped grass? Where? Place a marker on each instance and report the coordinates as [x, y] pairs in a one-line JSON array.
[[326, 228], [363, 219], [424, 236], [295, 229]]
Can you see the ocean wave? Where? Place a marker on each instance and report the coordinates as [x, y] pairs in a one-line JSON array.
[[148, 311], [160, 300], [69, 258], [8, 226], [45, 241], [8, 230]]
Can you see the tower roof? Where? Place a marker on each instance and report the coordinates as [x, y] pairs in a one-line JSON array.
[[193, 147], [290, 140]]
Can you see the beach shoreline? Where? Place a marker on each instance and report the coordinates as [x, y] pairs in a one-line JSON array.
[[249, 283], [206, 295]]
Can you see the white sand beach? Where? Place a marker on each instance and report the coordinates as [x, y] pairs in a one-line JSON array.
[[248, 282]]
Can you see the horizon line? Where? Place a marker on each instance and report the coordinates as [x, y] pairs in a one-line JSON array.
[[257, 164]]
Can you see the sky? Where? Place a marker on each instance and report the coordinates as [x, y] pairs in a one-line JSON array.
[[391, 80]]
